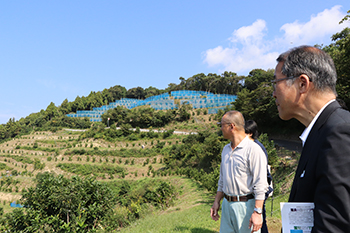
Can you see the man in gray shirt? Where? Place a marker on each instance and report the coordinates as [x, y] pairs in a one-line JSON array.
[[242, 179]]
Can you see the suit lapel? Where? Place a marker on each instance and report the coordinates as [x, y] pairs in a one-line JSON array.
[[309, 146]]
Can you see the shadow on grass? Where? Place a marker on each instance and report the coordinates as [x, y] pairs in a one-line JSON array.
[[201, 230], [207, 197], [194, 230], [206, 202]]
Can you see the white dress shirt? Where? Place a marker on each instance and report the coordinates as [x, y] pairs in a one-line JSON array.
[[306, 131]]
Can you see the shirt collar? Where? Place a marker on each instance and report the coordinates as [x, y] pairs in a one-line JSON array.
[[306, 132], [242, 143]]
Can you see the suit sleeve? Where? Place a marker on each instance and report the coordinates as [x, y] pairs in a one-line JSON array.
[[332, 194]]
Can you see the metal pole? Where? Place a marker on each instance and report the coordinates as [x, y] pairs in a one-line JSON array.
[[272, 205]]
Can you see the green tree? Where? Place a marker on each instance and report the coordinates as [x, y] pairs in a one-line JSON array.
[[117, 116], [65, 107], [258, 105], [152, 91], [171, 87], [231, 83], [183, 111], [340, 52], [126, 129], [136, 93], [78, 104], [256, 77], [11, 129], [117, 92], [95, 99], [196, 82], [51, 111], [107, 97]]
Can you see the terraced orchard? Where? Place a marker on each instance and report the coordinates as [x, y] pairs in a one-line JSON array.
[[64, 152]]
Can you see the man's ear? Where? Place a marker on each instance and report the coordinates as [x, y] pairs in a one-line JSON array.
[[232, 126], [304, 83]]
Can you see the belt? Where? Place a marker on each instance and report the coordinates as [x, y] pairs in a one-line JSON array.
[[239, 198]]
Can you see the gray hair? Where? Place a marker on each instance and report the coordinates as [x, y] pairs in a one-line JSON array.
[[235, 117], [314, 63]]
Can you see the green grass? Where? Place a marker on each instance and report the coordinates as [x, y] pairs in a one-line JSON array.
[[273, 212], [194, 220], [191, 213], [273, 205], [197, 219]]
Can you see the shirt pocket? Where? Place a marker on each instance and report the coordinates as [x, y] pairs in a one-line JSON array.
[[240, 169]]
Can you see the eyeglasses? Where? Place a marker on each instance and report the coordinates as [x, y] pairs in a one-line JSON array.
[[219, 124], [278, 80]]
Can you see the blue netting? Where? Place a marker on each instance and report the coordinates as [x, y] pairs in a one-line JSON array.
[[13, 204], [198, 99]]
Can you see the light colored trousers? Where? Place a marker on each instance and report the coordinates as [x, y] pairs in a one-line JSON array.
[[235, 216]]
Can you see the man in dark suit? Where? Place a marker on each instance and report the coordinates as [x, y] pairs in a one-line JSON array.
[[304, 89]]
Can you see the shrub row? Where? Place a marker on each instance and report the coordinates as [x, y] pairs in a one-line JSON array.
[[147, 152], [87, 169]]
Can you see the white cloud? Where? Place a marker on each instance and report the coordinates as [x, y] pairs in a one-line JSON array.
[[250, 34], [320, 27], [249, 49]]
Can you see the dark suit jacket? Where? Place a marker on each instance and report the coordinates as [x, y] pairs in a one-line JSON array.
[[323, 173]]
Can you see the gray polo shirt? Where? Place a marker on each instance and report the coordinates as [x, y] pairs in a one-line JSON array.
[[243, 170]]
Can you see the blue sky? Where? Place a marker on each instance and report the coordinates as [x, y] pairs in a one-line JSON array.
[[56, 50]]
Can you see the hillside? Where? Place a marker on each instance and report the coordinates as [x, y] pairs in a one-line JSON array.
[[69, 153]]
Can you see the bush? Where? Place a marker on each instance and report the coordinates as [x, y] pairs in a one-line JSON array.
[[58, 204], [14, 172], [167, 133], [271, 150]]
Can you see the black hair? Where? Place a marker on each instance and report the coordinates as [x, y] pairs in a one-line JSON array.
[[251, 127]]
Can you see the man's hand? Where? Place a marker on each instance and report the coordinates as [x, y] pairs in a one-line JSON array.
[[255, 221], [214, 211]]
